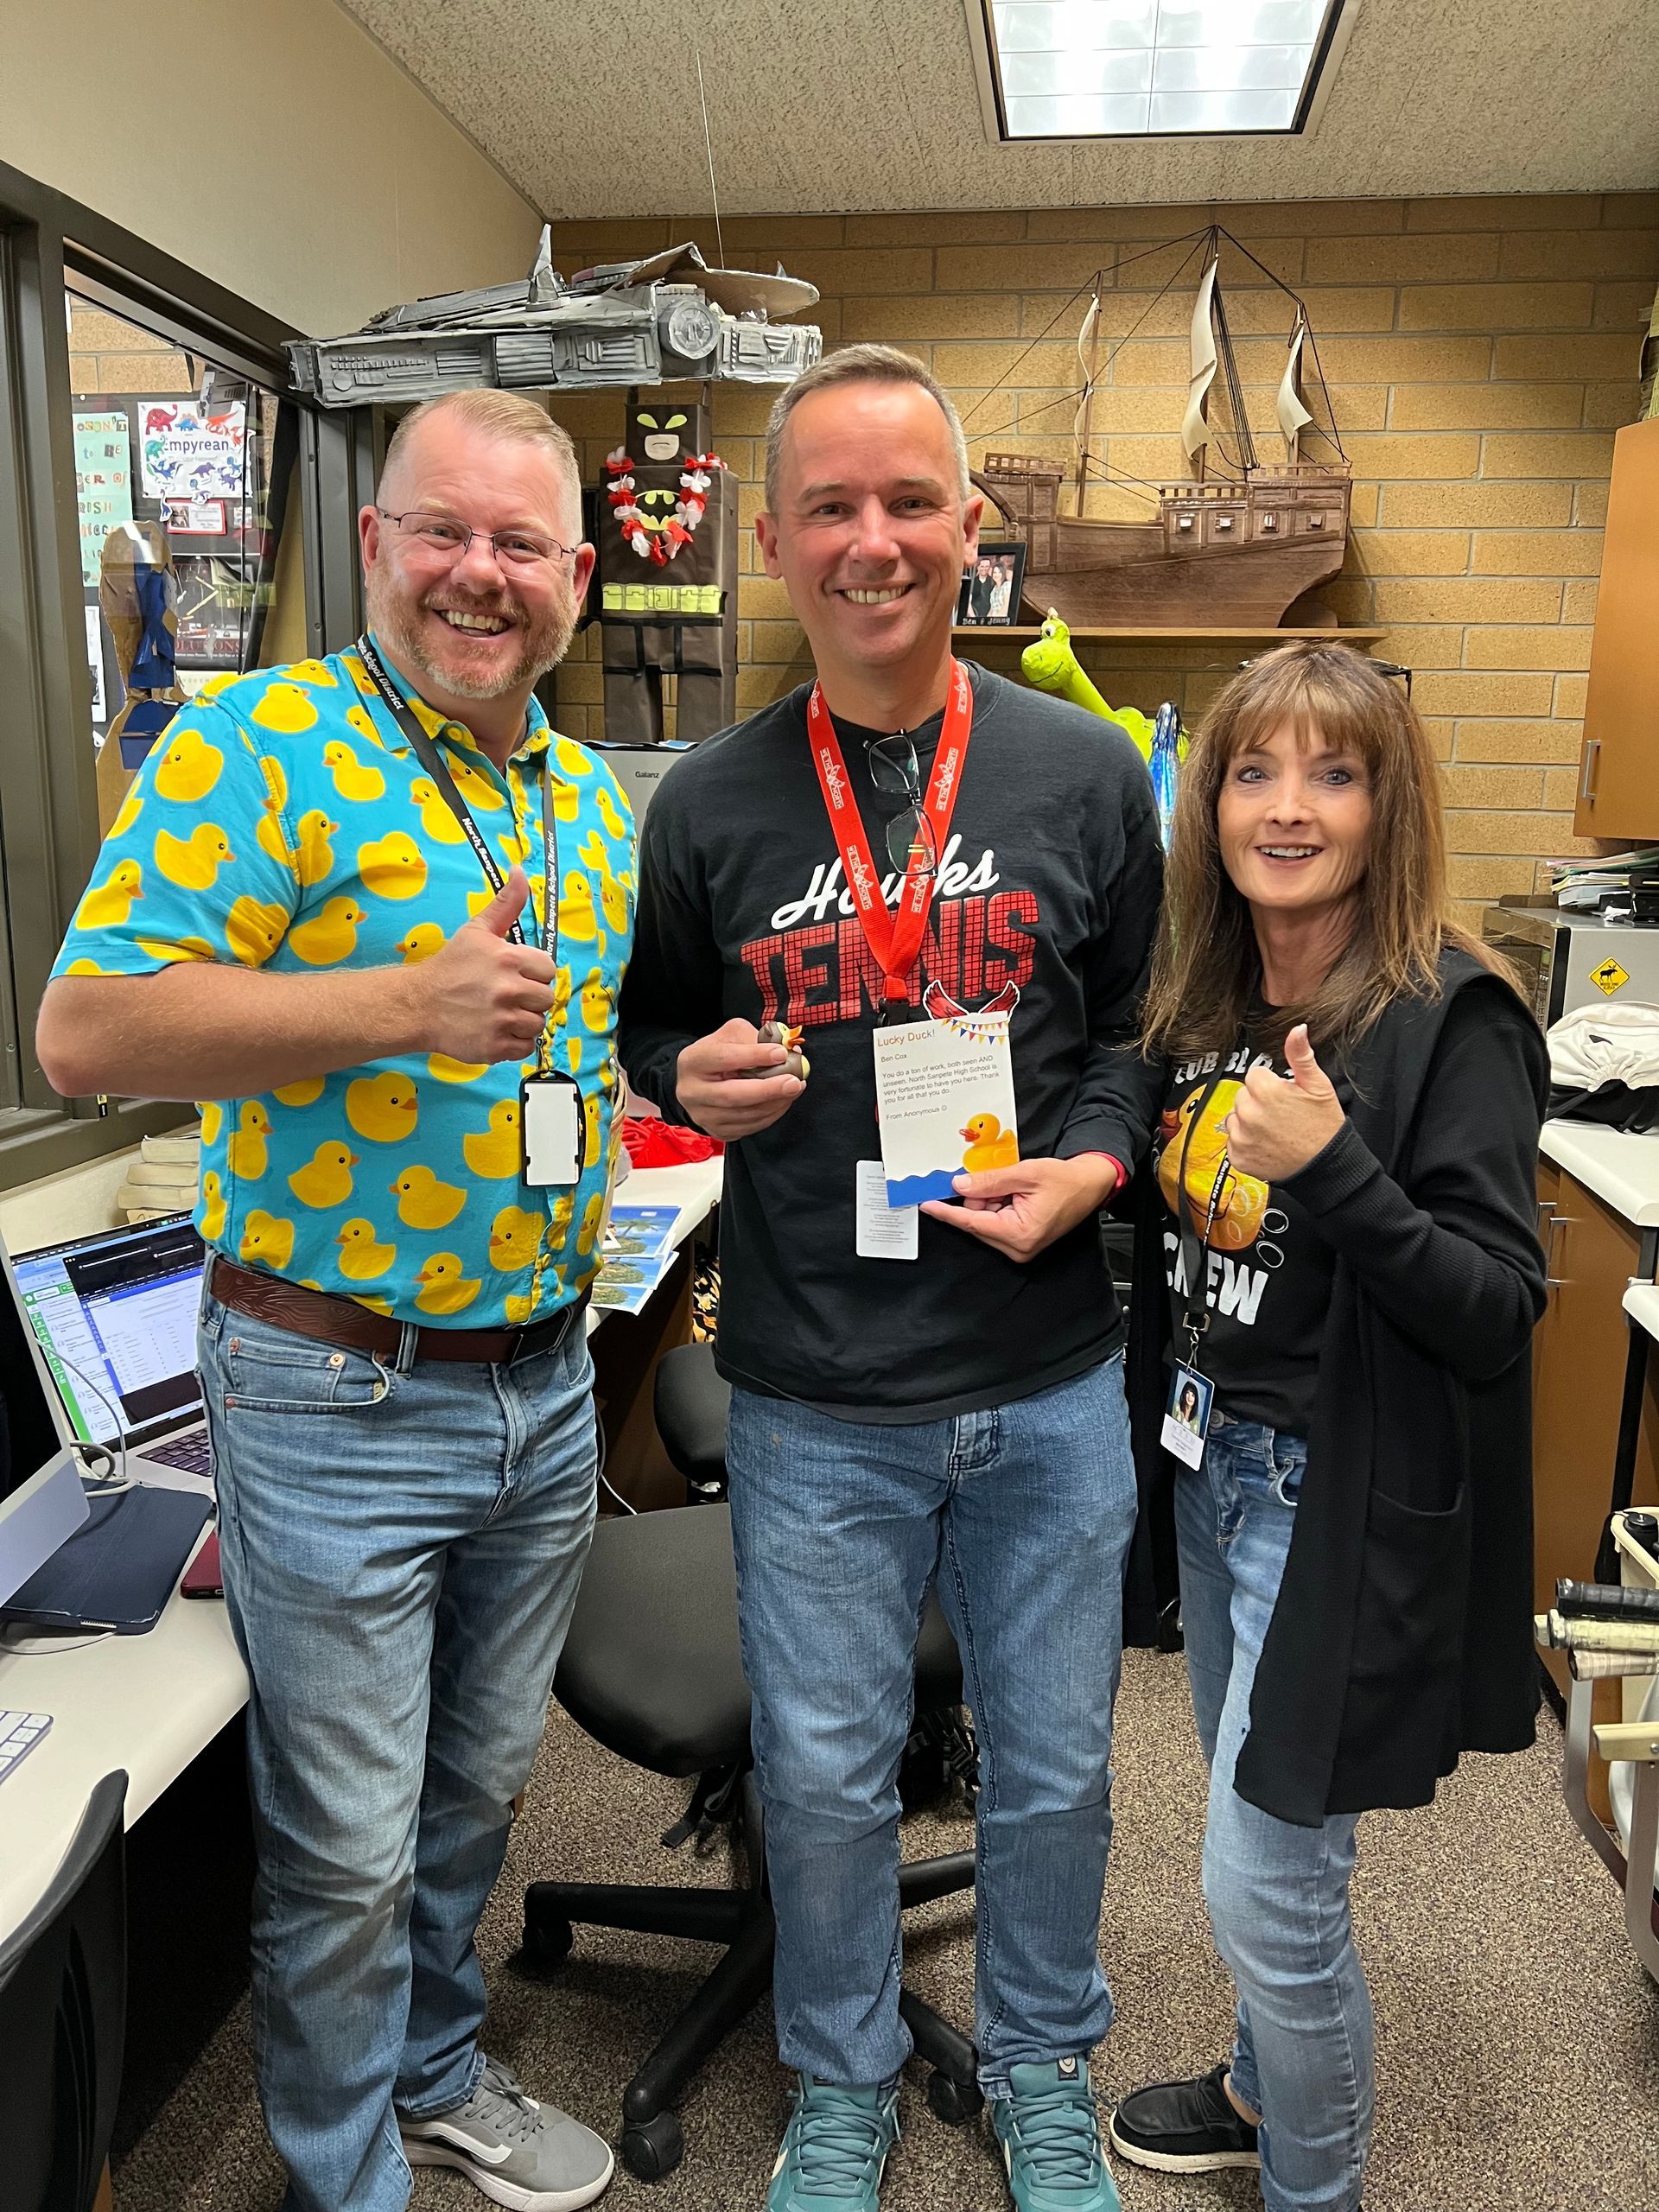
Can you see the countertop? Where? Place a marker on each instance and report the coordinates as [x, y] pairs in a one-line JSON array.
[[1620, 1168]]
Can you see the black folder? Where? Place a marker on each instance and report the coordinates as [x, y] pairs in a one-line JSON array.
[[119, 1568]]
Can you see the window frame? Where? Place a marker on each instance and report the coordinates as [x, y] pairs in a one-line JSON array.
[[48, 812]]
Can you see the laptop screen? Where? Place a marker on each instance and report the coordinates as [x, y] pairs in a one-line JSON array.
[[115, 1316]]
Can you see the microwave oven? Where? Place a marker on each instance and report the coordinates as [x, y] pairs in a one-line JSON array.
[[1567, 961]]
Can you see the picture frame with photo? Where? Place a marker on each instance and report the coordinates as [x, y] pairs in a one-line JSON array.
[[991, 585]]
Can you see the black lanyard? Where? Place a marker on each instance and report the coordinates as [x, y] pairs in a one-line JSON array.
[[435, 766], [1195, 1320]]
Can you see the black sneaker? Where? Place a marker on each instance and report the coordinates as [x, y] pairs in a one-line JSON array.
[[1183, 2127]]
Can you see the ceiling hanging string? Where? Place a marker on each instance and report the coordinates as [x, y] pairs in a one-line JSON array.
[[708, 149]]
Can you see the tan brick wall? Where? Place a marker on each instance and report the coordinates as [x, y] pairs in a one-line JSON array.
[[1480, 354]]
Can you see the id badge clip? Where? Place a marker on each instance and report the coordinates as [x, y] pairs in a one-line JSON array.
[[1186, 1416], [550, 1107]]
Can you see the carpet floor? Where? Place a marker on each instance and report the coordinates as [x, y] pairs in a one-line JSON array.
[[1518, 2037]]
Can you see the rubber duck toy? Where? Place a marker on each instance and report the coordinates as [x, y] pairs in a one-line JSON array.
[[989, 1144]]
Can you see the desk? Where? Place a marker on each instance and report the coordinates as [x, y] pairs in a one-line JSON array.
[[150, 1703]]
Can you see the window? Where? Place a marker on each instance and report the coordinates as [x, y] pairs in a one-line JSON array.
[[144, 407], [1073, 69]]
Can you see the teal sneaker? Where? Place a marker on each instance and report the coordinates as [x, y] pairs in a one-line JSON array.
[[1050, 2139], [834, 2147]]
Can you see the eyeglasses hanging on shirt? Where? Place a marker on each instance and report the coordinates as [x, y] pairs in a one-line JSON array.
[[897, 773]]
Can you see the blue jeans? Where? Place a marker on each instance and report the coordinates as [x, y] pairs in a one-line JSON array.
[[1024, 1512], [401, 1554], [1277, 1894]]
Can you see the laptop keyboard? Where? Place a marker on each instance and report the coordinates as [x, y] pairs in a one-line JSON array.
[[19, 1733], [190, 1452]]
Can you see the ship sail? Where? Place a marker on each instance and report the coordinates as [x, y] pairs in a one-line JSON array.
[[1195, 423], [1293, 417]]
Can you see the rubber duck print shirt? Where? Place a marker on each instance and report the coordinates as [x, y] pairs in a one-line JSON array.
[[283, 821]]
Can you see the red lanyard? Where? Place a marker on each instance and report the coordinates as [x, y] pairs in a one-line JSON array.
[[894, 938]]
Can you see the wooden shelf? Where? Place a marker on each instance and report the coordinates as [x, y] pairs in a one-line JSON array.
[[1165, 637]]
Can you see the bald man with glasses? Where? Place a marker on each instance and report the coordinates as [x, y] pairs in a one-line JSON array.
[[349, 904]]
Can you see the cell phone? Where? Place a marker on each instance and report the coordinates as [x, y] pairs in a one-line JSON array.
[[201, 1577]]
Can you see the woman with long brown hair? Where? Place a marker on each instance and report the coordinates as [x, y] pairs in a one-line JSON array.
[[1338, 1254]]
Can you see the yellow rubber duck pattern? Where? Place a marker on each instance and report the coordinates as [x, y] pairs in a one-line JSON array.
[[285, 822]]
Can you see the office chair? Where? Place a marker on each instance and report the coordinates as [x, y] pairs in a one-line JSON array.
[[63, 2006], [675, 1702]]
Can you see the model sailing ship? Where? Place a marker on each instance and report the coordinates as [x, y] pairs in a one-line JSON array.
[[1235, 546]]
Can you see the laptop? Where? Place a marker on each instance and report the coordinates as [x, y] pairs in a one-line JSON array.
[[111, 1318]]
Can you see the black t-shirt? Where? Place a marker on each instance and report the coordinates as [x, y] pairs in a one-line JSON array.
[[1049, 883], [1268, 1270]]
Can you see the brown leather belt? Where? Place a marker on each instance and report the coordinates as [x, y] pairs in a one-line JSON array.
[[343, 1321]]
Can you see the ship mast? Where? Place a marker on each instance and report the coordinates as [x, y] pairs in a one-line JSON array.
[[1195, 423], [1293, 417], [1212, 349]]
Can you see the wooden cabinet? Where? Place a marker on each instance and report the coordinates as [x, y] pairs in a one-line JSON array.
[[1579, 1360], [1618, 766]]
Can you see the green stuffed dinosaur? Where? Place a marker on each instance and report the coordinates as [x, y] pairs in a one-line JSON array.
[[1050, 665]]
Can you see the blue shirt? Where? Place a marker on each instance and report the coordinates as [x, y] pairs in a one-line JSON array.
[[283, 821]]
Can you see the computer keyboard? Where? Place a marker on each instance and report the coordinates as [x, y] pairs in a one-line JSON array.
[[190, 1452], [19, 1733]]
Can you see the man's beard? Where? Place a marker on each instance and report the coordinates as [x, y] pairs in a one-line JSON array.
[[543, 639]]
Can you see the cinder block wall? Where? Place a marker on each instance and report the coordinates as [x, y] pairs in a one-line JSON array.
[[1480, 354]]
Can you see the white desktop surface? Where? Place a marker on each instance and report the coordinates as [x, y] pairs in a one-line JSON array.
[[148, 1704], [1620, 1166]]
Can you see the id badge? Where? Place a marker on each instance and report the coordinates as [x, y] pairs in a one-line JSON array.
[[881, 1231], [1186, 1417], [552, 1108]]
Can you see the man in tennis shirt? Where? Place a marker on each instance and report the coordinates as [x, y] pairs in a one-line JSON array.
[[914, 1398]]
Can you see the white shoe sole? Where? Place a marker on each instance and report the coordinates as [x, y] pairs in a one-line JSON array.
[[422, 2151], [1172, 2162]]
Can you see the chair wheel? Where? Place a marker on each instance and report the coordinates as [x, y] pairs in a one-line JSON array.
[[953, 2101], [547, 1945], [652, 2148]]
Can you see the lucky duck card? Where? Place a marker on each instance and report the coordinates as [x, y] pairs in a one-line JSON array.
[[945, 1092]]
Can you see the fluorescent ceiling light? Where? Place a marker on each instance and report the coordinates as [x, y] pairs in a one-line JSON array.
[[1151, 68]]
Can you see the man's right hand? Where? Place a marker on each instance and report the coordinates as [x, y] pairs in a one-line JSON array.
[[727, 1083], [478, 998]]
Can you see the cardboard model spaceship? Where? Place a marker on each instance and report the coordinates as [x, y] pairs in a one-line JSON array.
[[632, 322]]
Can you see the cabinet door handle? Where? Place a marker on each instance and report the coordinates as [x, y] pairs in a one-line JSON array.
[[1556, 1221], [1587, 780]]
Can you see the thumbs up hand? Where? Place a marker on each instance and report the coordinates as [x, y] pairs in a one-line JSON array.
[[478, 998], [1279, 1123]]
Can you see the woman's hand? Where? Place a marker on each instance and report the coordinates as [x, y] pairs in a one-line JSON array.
[[1278, 1124]]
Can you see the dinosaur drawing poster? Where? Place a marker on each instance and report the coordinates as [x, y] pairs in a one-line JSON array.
[[945, 1092], [186, 452]]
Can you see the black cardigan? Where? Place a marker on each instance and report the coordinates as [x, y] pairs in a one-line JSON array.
[[1402, 1633]]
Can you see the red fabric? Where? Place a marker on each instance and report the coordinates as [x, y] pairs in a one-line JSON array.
[[652, 1143]]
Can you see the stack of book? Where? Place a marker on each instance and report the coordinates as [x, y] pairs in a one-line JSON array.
[[164, 1178]]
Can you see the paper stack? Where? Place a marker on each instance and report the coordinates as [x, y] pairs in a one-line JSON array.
[[164, 1178], [637, 1256]]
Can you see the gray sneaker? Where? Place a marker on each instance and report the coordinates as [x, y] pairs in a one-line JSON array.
[[532, 2158]]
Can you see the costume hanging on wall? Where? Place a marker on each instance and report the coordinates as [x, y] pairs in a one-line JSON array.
[[667, 584], [136, 591]]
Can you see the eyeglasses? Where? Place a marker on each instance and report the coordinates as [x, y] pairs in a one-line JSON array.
[[910, 834], [1383, 667], [443, 535]]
